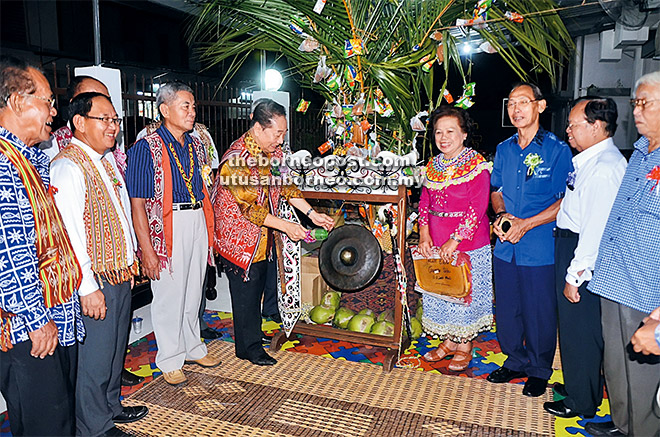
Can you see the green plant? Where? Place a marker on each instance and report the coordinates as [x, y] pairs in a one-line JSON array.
[[399, 37]]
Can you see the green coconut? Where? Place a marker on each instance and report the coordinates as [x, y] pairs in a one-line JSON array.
[[331, 299], [321, 314], [342, 317], [361, 323], [368, 312], [383, 328], [386, 316], [419, 311], [415, 328]]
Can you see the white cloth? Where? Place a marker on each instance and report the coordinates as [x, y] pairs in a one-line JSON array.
[[69, 181], [177, 295], [585, 209], [50, 147]]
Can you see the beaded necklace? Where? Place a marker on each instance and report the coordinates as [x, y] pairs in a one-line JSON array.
[[187, 178], [444, 169]]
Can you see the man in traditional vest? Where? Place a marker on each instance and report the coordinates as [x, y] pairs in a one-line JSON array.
[[173, 222], [95, 207], [39, 310]]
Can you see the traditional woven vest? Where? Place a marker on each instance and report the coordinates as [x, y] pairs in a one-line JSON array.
[[59, 270], [159, 207], [106, 243], [235, 237]]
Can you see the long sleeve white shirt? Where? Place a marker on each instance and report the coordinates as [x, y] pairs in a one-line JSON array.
[[585, 209], [69, 181]]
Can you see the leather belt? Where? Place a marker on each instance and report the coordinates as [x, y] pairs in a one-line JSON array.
[[185, 206]]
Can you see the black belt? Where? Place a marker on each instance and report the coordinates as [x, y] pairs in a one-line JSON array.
[[564, 233], [185, 206]]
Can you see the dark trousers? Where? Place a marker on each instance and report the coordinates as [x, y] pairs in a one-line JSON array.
[[580, 334], [39, 393], [246, 307], [526, 315], [101, 361], [270, 307]]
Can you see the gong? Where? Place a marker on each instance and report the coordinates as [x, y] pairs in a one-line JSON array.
[[350, 258]]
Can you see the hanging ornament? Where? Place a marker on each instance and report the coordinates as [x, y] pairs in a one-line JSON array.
[[416, 122], [353, 47], [469, 89], [318, 7], [448, 97], [358, 108], [514, 16], [334, 82], [464, 102], [326, 146], [309, 44], [481, 9], [440, 53], [322, 71], [302, 106], [428, 61], [487, 47], [351, 74]]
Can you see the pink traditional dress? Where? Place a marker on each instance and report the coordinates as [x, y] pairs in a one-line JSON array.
[[454, 201]]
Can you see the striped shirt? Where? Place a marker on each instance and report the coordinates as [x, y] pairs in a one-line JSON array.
[[20, 287], [140, 170], [628, 261]]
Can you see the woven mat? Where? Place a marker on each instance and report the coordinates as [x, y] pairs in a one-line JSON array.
[[305, 395]]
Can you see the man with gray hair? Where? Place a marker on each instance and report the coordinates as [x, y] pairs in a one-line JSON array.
[[626, 276], [173, 223]]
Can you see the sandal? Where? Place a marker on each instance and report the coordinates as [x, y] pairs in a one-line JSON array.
[[440, 353], [460, 361]]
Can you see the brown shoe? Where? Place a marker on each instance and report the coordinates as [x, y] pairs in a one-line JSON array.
[[175, 377], [207, 361]]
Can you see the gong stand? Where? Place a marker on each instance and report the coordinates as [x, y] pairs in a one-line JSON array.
[[399, 341]]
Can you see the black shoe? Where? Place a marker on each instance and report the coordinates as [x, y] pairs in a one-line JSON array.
[[274, 317], [264, 360], [116, 432], [129, 379], [265, 339], [535, 387], [131, 414], [504, 375], [559, 409], [603, 429], [210, 334], [560, 389]]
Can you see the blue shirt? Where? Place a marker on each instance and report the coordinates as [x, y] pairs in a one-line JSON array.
[[140, 170], [628, 265], [525, 196], [21, 291]]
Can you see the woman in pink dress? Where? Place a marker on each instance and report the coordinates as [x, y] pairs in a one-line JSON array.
[[452, 216]]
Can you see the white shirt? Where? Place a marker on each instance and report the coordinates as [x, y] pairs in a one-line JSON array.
[[69, 181], [585, 209]]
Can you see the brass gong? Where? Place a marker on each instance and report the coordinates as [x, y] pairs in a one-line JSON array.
[[350, 259]]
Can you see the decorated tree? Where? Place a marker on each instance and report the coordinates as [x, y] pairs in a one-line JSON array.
[[373, 60]]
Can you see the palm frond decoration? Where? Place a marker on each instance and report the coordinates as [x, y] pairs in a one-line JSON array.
[[402, 41]]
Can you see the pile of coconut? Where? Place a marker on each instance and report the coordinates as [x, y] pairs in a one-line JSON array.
[[330, 313]]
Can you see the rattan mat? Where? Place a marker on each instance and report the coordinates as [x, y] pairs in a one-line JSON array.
[[306, 395]]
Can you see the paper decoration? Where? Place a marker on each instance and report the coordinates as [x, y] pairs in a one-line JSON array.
[[464, 102], [436, 36], [358, 108], [440, 53], [448, 97], [296, 28], [353, 47], [487, 47], [481, 9], [318, 7], [326, 146], [334, 82], [351, 76], [302, 106], [514, 16], [428, 61], [365, 125], [469, 89]]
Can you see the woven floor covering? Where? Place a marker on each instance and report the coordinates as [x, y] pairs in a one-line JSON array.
[[305, 395]]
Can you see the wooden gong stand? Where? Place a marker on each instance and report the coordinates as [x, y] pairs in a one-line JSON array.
[[393, 344]]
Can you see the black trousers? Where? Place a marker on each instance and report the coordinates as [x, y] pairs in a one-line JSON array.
[[270, 307], [580, 334], [246, 307], [39, 393]]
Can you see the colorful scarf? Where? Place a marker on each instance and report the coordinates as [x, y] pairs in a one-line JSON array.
[[159, 207], [59, 270], [236, 238], [106, 243]]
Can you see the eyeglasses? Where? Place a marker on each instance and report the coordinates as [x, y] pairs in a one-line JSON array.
[[641, 102], [49, 100], [106, 120], [572, 125], [522, 103]]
